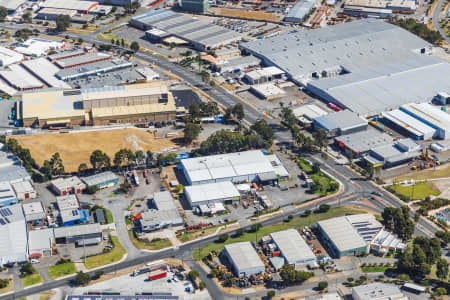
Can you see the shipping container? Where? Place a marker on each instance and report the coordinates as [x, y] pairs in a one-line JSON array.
[[276, 253], [157, 274]]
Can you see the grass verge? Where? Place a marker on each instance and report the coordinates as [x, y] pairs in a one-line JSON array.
[[108, 216], [197, 233], [61, 270], [420, 190], [31, 279], [294, 223], [8, 287], [155, 244], [114, 255], [375, 269]]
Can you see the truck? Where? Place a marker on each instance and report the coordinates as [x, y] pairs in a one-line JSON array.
[[157, 274], [135, 177]]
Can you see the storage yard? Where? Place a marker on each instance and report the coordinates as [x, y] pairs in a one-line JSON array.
[[76, 147]]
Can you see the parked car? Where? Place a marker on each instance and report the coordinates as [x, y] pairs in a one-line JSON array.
[[35, 261]]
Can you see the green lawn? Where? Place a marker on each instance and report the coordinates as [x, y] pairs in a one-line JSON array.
[[8, 288], [294, 223], [324, 180], [304, 165], [31, 279], [155, 244], [61, 270], [114, 255], [419, 191], [108, 216], [374, 269]]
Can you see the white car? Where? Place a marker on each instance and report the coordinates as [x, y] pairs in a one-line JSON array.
[[35, 261]]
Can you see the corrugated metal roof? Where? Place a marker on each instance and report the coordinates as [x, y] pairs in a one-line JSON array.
[[300, 10], [211, 191], [292, 246], [244, 256], [13, 235]]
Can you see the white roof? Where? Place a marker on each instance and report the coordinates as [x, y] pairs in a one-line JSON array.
[[33, 211], [292, 246], [278, 167], [20, 78], [67, 202], [69, 4], [376, 290], [310, 111], [211, 191], [268, 90], [46, 72], [220, 166], [67, 231], [23, 187], [6, 192], [40, 240], [13, 235], [429, 113], [38, 46], [265, 72], [8, 56], [408, 122]]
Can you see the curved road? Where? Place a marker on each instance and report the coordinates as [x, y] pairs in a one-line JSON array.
[[437, 19]]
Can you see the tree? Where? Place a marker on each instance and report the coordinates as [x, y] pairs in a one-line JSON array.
[[135, 46], [56, 164], [223, 238], [403, 277], [369, 170], [320, 138], [287, 117], [63, 22], [239, 232], [27, 269], [270, 294], [125, 187], [194, 111], [122, 42], [290, 275], [139, 156], [440, 291], [92, 189], [315, 168], [82, 278], [191, 132], [324, 208], [322, 285], [99, 160], [442, 268], [26, 17], [193, 274], [238, 111], [202, 285], [262, 128], [148, 157], [3, 13], [99, 274]]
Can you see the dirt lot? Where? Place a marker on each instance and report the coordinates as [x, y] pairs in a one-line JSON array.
[[76, 148], [253, 15]]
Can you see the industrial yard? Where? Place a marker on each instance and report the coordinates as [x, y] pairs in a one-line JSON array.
[[76, 147]]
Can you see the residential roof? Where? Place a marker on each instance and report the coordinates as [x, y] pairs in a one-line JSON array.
[[40, 239], [187, 27], [356, 45], [211, 191], [344, 119], [363, 141], [226, 165], [68, 231], [99, 178], [351, 232], [244, 256], [13, 235], [34, 211], [292, 246]]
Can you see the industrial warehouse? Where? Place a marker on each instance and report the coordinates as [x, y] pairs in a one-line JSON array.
[[243, 259], [211, 193], [368, 66], [235, 167], [200, 34], [121, 104], [293, 248], [13, 235]]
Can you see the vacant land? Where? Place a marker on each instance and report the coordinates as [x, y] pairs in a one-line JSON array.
[[440, 172], [155, 244], [251, 15], [114, 255], [294, 223], [420, 190], [31, 279], [61, 270], [76, 148]]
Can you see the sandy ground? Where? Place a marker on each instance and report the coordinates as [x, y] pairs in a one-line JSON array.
[[254, 15], [76, 148]]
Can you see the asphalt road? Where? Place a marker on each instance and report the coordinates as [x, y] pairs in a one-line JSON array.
[[437, 19]]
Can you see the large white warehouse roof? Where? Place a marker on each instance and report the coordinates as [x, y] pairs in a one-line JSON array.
[[201, 193], [13, 235], [293, 247]]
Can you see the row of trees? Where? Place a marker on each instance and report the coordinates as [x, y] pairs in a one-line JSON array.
[[420, 29]]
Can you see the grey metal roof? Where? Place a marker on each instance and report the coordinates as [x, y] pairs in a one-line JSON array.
[[388, 86], [354, 45], [40, 239], [300, 10], [81, 59], [155, 296], [244, 256], [92, 68], [68, 231], [166, 212], [99, 178], [341, 119], [34, 211], [186, 27], [14, 174], [292, 246], [363, 141], [376, 290], [11, 4], [13, 235]]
